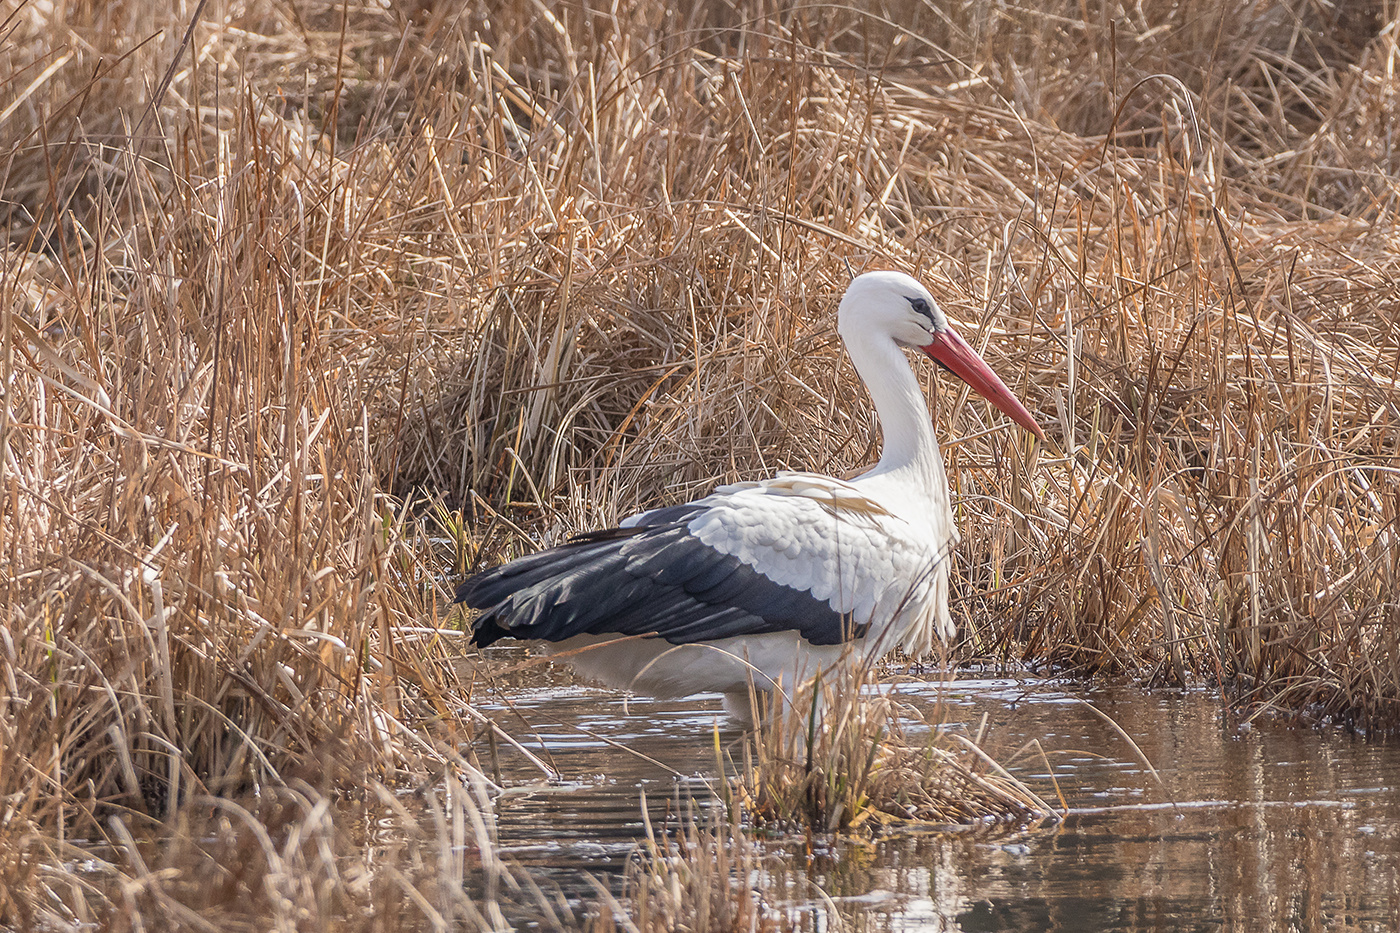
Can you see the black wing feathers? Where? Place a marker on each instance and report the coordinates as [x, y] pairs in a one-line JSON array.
[[657, 578]]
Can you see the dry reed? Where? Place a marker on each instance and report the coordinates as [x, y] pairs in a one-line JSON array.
[[844, 756], [296, 860], [703, 873], [274, 272]]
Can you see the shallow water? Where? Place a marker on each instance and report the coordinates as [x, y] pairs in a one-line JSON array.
[[1245, 826]]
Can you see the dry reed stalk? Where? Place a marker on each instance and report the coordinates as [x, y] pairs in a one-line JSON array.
[[206, 590]]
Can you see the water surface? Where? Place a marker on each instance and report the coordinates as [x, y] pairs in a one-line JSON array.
[[1262, 825]]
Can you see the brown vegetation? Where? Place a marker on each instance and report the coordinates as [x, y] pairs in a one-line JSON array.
[[696, 875], [268, 278], [859, 759]]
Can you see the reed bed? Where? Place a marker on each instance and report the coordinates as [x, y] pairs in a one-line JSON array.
[[283, 280]]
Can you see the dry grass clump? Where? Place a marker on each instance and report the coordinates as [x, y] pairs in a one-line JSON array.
[[843, 756], [702, 873], [299, 860], [206, 591]]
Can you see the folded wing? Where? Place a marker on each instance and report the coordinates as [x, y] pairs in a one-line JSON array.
[[801, 553]]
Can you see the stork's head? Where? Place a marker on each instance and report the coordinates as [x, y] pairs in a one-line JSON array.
[[894, 304]]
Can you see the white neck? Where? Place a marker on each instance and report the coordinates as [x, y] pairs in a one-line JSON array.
[[910, 451]]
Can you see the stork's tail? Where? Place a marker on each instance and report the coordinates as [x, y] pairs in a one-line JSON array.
[[525, 589]]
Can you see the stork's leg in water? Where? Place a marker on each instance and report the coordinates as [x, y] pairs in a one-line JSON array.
[[747, 707]]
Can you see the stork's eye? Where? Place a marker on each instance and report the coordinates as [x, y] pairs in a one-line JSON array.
[[920, 306]]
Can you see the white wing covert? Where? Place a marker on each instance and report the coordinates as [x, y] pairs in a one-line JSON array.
[[879, 573]]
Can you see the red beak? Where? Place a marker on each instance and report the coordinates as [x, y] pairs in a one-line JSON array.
[[953, 352]]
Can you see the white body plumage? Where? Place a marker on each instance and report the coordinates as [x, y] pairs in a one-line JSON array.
[[876, 561]]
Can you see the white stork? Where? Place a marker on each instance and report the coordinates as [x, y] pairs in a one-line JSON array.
[[766, 583]]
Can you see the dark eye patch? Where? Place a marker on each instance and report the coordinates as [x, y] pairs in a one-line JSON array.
[[920, 306]]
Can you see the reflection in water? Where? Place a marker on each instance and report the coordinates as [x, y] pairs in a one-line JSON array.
[[1262, 827]]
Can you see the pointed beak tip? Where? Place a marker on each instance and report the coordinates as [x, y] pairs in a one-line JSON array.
[[950, 350], [1018, 413]]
